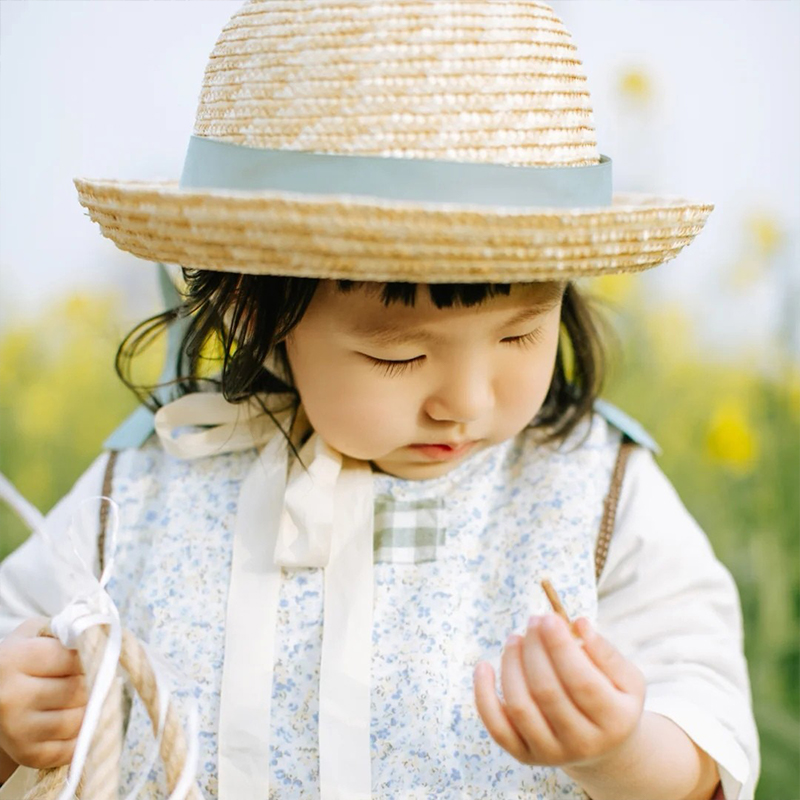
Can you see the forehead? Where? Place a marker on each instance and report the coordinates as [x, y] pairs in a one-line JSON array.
[[361, 312]]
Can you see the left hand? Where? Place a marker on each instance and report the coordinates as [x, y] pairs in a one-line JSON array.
[[564, 704]]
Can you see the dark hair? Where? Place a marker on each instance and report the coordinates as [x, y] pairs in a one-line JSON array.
[[251, 315]]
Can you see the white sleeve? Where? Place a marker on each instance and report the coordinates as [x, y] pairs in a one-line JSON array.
[[31, 583], [672, 608]]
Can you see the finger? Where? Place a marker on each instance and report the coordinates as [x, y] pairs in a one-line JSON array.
[[48, 726], [521, 708], [48, 658], [47, 755], [627, 677], [52, 694], [492, 714], [566, 720], [587, 687], [29, 628]]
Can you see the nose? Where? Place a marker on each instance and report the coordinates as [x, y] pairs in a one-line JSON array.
[[464, 395]]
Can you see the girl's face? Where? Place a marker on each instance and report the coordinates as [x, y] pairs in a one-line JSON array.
[[416, 390]]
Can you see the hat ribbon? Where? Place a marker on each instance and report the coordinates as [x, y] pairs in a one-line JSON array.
[[214, 164], [321, 516]]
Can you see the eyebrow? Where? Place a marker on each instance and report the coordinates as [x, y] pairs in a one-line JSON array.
[[384, 334]]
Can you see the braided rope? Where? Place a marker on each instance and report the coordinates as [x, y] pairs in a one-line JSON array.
[[101, 772], [173, 748], [49, 783], [100, 779]]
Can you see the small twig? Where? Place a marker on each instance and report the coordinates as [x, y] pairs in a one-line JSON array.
[[555, 602]]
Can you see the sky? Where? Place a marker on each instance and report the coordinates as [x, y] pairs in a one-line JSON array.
[[108, 89]]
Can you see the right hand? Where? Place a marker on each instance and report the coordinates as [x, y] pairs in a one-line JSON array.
[[42, 697]]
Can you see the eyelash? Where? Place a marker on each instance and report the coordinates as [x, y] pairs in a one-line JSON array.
[[393, 368]]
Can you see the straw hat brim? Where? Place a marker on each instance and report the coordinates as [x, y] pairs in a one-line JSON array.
[[366, 238]]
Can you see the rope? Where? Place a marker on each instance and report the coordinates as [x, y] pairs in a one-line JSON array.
[[100, 779]]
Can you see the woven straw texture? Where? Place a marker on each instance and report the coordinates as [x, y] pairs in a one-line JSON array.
[[481, 81]]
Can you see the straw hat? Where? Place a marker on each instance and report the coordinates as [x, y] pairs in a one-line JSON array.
[[399, 140]]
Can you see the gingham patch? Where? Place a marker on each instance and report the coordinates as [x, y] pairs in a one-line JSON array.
[[408, 531]]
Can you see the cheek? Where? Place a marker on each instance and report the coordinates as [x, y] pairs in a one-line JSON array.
[[352, 408], [523, 392], [523, 396]]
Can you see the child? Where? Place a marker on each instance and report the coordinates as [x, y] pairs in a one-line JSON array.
[[382, 213]]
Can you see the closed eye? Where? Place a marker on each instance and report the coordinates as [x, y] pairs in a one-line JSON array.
[[394, 367], [527, 339]]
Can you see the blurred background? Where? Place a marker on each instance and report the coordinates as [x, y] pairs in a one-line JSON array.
[[696, 98]]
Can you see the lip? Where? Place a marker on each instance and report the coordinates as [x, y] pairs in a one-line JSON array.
[[443, 451]]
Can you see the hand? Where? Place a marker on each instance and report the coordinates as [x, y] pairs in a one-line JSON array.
[[42, 697], [564, 704]]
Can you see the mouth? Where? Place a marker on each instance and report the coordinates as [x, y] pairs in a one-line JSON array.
[[443, 451]]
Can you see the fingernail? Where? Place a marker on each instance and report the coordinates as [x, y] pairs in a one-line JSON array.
[[512, 639], [583, 628], [552, 622], [534, 622]]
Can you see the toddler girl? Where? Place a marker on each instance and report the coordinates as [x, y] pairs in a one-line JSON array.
[[340, 542]]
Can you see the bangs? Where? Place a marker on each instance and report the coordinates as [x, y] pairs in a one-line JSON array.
[[443, 295]]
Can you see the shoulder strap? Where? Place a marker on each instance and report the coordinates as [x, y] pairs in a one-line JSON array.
[[626, 446], [627, 425], [108, 478]]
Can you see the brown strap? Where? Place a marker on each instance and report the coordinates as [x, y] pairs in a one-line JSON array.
[[107, 483], [610, 506]]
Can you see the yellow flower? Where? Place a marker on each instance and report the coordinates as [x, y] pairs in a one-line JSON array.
[[40, 418], [730, 438], [211, 356], [793, 390], [617, 289], [635, 84], [766, 233]]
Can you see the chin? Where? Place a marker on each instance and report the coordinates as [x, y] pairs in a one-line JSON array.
[[414, 472]]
